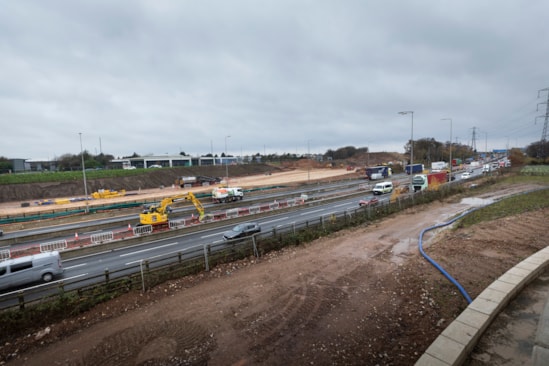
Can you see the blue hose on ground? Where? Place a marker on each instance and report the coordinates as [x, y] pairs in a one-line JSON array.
[[437, 266]]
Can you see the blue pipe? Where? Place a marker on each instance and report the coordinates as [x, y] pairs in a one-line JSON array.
[[437, 266]]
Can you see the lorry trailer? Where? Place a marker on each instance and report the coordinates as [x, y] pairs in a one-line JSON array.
[[431, 181], [437, 166], [378, 172], [414, 169]]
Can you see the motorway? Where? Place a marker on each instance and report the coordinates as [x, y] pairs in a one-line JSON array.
[[85, 270]]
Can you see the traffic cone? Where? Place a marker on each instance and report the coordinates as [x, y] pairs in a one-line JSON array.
[[129, 227], [75, 236]]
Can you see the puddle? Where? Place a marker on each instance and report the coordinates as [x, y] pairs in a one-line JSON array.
[[474, 201]]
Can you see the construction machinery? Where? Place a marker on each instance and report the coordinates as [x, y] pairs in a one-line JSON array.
[[227, 194], [157, 214], [196, 181], [107, 193]]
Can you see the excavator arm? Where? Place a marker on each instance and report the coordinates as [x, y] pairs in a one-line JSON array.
[[158, 214]]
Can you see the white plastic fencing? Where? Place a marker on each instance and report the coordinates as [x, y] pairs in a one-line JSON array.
[[4, 254], [57, 245], [102, 237], [232, 213], [140, 230]]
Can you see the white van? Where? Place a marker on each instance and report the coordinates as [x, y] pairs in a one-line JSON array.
[[383, 187], [33, 268]]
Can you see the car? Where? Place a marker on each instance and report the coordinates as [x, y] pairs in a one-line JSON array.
[[382, 188], [466, 175], [242, 230], [368, 202], [155, 166]]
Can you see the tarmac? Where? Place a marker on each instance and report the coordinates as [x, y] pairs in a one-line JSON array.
[[506, 324]]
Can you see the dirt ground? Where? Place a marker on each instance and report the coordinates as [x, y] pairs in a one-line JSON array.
[[358, 297]]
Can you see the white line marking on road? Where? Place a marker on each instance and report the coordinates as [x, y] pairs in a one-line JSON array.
[[76, 266], [148, 250], [310, 212]]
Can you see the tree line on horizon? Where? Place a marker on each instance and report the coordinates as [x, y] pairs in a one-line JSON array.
[[426, 150]]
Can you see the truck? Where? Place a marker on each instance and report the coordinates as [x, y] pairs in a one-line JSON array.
[[432, 181], [378, 172], [227, 194], [414, 169], [437, 166], [196, 181], [157, 214], [456, 162]]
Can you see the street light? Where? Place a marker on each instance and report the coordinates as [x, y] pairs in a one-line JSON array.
[[226, 161], [309, 161], [449, 119], [411, 145], [84, 173]]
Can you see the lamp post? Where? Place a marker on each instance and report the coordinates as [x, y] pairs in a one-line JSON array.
[[449, 119], [226, 161], [309, 161], [84, 173], [411, 146]]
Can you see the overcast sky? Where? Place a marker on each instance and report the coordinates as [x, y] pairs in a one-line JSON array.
[[280, 76]]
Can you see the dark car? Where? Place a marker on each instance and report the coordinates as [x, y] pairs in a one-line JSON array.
[[242, 230]]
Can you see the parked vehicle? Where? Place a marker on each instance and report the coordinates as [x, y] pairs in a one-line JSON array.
[[242, 230], [24, 270], [382, 188], [196, 181]]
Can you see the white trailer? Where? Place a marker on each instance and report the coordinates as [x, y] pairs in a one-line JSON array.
[[437, 166], [227, 194]]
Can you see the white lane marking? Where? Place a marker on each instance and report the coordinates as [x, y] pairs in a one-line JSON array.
[[209, 235], [148, 250], [76, 266], [162, 255], [310, 212], [271, 221]]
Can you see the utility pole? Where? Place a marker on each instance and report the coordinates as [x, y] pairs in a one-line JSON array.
[[474, 140], [543, 140], [486, 145]]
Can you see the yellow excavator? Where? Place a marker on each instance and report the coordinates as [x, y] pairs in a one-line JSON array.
[[157, 214]]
